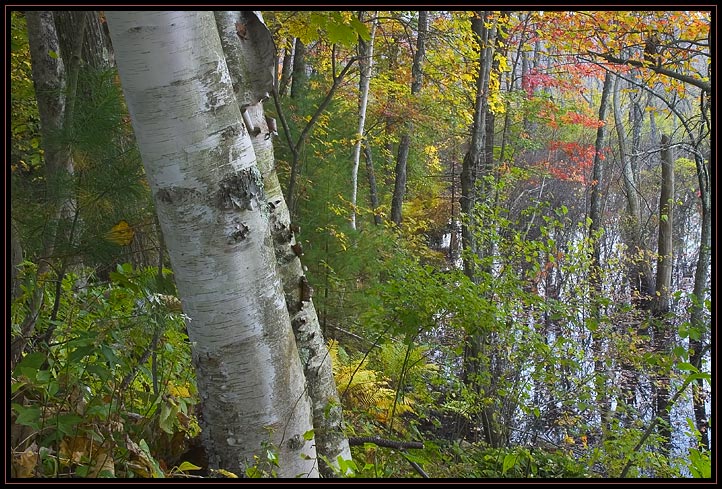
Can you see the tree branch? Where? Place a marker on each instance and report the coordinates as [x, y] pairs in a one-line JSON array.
[[706, 86], [383, 442], [398, 445], [336, 82], [655, 422]]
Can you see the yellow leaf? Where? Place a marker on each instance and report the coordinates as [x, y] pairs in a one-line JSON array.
[[225, 473], [179, 391], [121, 234]]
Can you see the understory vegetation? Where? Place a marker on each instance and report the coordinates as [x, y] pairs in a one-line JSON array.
[[512, 341]]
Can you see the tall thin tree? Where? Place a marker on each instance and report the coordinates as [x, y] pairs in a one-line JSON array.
[[417, 78], [366, 57]]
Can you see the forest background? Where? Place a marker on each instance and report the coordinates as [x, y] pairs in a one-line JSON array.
[[501, 219]]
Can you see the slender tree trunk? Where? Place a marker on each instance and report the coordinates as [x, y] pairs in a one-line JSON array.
[[96, 50], [639, 272], [210, 201], [286, 67], [297, 147], [475, 168], [373, 191], [331, 442], [16, 258], [299, 78], [663, 333], [366, 59], [698, 315], [595, 226], [50, 80], [417, 74]]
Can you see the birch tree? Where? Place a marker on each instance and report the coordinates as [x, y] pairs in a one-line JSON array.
[[250, 63], [213, 211], [366, 58]]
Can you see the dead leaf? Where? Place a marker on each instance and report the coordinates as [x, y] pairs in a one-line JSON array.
[[25, 462]]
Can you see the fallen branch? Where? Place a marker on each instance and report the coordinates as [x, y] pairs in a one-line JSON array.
[[399, 445]]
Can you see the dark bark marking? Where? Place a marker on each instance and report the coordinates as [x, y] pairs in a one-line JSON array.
[[240, 190]]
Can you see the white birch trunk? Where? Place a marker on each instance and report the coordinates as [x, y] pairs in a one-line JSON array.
[[212, 209], [331, 442], [366, 53]]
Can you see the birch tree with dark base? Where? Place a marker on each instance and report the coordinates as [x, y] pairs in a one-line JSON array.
[[211, 204]]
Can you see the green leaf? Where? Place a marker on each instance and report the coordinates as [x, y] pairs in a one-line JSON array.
[[680, 352], [686, 366], [109, 355], [67, 423], [341, 34], [28, 416], [53, 388], [53, 54], [418, 458], [308, 436], [272, 457], [32, 360], [700, 375], [185, 466], [361, 29], [157, 473], [509, 461], [80, 353], [43, 377], [167, 418]]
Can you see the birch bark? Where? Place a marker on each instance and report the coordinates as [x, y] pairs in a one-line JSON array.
[[210, 201]]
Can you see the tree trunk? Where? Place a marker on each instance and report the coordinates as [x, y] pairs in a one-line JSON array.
[[595, 226], [700, 321], [417, 74], [373, 191], [50, 81], [299, 77], [211, 205], [663, 334], [366, 59], [475, 168], [16, 258], [331, 442], [698, 315], [639, 273], [286, 66], [95, 49]]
